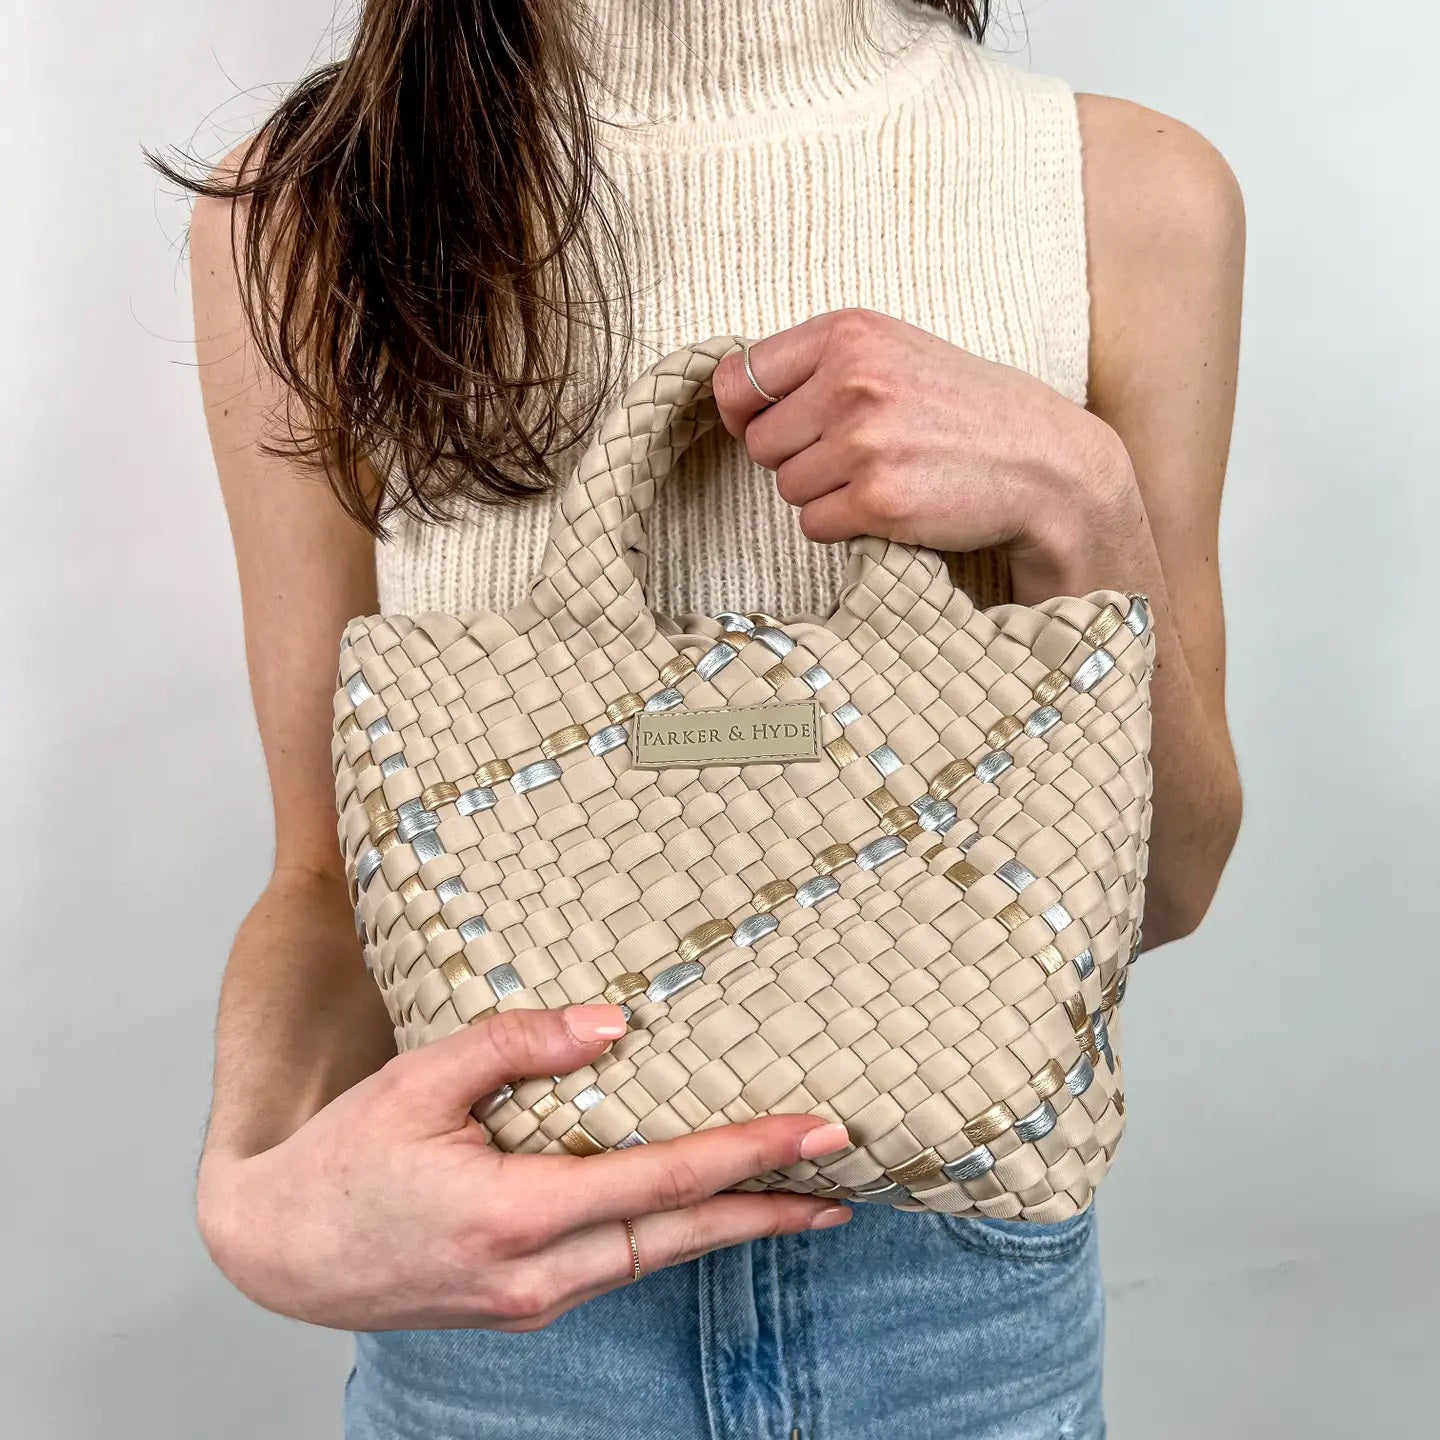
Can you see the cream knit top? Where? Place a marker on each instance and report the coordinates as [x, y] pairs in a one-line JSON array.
[[777, 161]]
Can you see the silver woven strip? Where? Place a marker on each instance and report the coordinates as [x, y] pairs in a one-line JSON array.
[[993, 766], [1017, 876], [588, 1098], [1137, 618], [971, 1165], [449, 889], [729, 620], [1042, 722], [610, 738], [534, 775], [817, 888], [817, 677], [358, 690], [664, 700], [1080, 1076], [376, 729], [504, 980], [470, 802], [673, 979], [488, 1106], [933, 814], [1084, 964], [417, 824], [473, 928], [1038, 1123], [877, 852], [753, 928], [1093, 671], [366, 866], [882, 1192], [773, 639], [633, 1138], [360, 931], [1057, 917], [427, 846], [393, 763], [885, 760], [715, 659], [845, 714], [412, 806]]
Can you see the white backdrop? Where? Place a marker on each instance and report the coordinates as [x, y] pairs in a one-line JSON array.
[[1270, 1229]]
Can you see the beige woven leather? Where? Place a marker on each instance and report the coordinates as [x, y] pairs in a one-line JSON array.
[[923, 934]]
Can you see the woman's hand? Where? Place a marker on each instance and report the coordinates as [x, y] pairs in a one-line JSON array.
[[885, 429], [389, 1209]]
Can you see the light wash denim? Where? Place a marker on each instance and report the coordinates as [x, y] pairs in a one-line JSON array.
[[894, 1325]]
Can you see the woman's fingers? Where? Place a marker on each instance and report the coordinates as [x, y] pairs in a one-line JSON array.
[[676, 1174], [598, 1258], [438, 1083]]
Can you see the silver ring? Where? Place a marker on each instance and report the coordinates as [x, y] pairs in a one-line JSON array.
[[750, 376]]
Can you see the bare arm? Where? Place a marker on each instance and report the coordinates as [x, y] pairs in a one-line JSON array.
[[1166, 233], [300, 1019]]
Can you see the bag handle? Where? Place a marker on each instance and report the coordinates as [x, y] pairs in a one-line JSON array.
[[597, 557]]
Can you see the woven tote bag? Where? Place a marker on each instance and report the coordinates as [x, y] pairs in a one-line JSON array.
[[884, 866]]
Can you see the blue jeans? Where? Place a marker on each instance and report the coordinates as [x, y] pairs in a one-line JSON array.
[[895, 1324]]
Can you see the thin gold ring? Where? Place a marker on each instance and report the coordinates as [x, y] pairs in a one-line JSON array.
[[760, 390], [634, 1250]]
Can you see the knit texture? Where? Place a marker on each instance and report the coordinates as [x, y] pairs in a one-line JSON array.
[[776, 162]]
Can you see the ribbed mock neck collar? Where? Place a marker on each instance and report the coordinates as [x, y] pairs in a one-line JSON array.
[[701, 65]]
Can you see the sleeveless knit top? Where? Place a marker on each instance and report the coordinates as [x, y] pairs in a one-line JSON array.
[[778, 161]]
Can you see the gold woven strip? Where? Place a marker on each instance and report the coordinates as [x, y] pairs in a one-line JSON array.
[[832, 857], [1103, 627], [923, 1166], [624, 988], [432, 926], [1052, 687], [456, 970], [990, 1124], [1049, 1081], [951, 778], [672, 672], [562, 742], [776, 893], [617, 712], [546, 1105], [705, 936], [1003, 732], [579, 1141], [492, 772], [438, 794], [411, 888], [840, 750]]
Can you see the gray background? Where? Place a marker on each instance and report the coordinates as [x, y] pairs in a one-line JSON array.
[[1270, 1230]]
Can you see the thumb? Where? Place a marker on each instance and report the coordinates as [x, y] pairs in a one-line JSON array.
[[453, 1073]]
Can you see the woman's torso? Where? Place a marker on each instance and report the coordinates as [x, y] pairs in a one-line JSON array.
[[774, 166]]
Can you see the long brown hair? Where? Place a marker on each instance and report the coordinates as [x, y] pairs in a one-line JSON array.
[[415, 259]]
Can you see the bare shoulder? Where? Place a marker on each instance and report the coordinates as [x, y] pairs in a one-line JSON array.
[[1157, 192]]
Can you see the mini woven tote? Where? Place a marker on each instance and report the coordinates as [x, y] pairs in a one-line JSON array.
[[913, 915]]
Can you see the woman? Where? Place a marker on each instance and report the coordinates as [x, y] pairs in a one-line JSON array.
[[996, 319]]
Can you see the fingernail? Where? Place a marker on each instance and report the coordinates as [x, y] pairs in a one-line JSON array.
[[830, 1215], [588, 1023], [824, 1140]]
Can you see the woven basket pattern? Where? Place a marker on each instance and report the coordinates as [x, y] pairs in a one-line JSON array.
[[924, 933]]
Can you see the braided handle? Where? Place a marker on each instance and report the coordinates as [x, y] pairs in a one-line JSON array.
[[597, 557]]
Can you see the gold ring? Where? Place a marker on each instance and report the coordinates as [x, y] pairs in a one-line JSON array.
[[634, 1250], [760, 390]]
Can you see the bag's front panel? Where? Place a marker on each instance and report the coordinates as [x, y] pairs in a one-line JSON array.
[[923, 932]]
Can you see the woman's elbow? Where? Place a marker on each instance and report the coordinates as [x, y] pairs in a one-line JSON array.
[[1176, 906]]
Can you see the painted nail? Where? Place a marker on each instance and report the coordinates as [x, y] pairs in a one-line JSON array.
[[588, 1023], [830, 1215], [824, 1140]]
